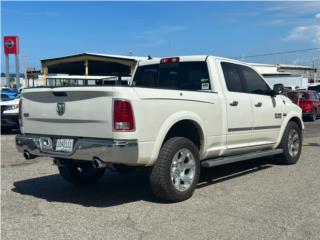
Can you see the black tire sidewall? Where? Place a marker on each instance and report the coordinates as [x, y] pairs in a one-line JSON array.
[[167, 152], [288, 159]]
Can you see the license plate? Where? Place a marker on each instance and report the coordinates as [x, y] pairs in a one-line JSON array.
[[64, 145]]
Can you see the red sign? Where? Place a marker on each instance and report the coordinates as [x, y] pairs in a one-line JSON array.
[[11, 45]]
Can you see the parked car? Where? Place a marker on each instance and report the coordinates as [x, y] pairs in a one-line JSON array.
[[9, 92], [5, 97], [177, 114], [308, 101], [315, 88], [9, 114]]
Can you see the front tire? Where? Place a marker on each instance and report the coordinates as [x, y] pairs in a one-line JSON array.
[[79, 172], [291, 143], [175, 174]]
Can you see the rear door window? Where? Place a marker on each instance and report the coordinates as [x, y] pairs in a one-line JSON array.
[[191, 76], [232, 78]]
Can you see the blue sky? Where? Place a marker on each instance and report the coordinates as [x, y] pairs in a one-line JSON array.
[[230, 29]]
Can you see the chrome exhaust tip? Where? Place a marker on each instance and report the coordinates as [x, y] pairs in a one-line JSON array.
[[97, 163]]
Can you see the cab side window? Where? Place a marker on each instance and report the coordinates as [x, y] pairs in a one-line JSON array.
[[232, 78], [254, 83]]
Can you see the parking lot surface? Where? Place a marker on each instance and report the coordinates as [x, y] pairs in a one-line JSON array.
[[257, 199]]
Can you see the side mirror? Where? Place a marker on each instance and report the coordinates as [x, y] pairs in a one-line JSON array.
[[278, 89]]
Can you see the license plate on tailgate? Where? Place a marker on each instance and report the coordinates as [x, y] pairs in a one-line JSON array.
[[64, 145]]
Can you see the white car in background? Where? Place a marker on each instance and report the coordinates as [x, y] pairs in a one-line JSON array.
[[9, 114]]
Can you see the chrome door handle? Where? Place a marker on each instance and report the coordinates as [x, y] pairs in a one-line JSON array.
[[259, 104], [234, 103]]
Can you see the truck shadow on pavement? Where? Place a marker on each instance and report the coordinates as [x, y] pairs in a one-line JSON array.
[[115, 189]]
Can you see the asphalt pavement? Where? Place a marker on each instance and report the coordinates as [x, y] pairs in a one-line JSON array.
[[257, 199]]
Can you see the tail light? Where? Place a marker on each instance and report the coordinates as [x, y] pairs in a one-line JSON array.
[[306, 105], [20, 113], [123, 119]]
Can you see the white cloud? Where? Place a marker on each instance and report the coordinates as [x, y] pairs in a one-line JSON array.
[[293, 9], [318, 15], [305, 34]]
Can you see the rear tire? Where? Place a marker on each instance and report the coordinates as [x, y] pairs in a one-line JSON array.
[[175, 174], [291, 143], [79, 172]]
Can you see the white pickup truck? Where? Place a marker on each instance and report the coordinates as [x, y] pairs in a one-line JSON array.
[[177, 115]]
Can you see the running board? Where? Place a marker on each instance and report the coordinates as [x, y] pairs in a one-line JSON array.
[[238, 158]]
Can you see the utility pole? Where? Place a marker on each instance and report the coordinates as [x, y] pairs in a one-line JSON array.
[[7, 71], [17, 72], [317, 73], [25, 66]]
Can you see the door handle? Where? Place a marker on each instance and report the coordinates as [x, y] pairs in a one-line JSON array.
[[259, 104], [234, 103]]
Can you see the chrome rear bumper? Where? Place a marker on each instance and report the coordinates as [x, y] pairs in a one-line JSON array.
[[107, 150]]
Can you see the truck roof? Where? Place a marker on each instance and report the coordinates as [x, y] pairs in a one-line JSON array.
[[195, 58]]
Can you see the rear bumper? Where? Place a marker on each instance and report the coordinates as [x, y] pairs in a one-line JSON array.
[[107, 150]]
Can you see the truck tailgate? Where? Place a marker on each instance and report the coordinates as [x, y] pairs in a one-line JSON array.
[[73, 111]]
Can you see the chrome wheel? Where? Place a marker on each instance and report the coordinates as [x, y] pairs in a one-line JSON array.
[[183, 169], [293, 143]]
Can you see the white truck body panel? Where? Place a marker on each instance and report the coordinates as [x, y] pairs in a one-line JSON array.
[[225, 129]]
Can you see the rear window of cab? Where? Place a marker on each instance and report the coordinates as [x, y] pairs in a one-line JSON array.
[[192, 76]]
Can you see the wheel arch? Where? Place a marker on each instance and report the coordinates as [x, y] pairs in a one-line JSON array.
[[195, 133], [290, 118], [174, 126]]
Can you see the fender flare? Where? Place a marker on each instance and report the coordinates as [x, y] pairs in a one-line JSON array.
[[168, 124], [288, 118]]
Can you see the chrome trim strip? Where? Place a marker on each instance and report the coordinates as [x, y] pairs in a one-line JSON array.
[[63, 120], [176, 99], [107, 150], [253, 128], [266, 127], [239, 129]]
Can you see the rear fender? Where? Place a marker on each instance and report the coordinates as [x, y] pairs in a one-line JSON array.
[[168, 124]]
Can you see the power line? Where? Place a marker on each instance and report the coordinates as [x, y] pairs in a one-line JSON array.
[[278, 53]]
